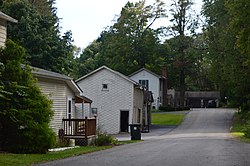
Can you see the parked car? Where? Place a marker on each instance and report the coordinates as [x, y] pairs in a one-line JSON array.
[[211, 104]]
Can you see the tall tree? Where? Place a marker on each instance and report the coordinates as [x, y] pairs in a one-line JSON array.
[[131, 43], [184, 24], [38, 32], [229, 63]]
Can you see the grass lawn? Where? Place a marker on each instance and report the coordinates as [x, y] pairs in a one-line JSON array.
[[167, 119], [9, 159], [237, 127]]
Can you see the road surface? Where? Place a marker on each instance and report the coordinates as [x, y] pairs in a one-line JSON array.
[[203, 139]]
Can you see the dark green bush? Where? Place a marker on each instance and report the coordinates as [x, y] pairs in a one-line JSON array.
[[246, 129], [104, 139], [25, 112]]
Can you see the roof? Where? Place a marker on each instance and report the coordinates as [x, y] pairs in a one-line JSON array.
[[202, 94], [112, 71], [7, 18], [80, 99], [144, 69], [38, 72], [50, 74]]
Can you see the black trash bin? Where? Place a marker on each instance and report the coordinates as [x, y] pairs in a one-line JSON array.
[[135, 131]]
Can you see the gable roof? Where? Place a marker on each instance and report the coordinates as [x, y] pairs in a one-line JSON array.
[[144, 69], [7, 18], [112, 71], [38, 72]]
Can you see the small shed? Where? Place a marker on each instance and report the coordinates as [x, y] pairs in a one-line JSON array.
[[117, 100]]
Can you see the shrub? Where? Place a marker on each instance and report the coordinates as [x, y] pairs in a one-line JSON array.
[[246, 129], [104, 139], [25, 112], [65, 142]]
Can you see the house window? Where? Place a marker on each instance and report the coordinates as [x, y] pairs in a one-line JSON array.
[[94, 111], [144, 83], [104, 86]]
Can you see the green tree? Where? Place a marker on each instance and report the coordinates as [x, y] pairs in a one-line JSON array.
[[38, 32], [25, 113], [239, 25], [89, 60], [184, 24], [229, 58], [131, 43]]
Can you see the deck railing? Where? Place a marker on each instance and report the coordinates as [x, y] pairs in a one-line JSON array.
[[79, 127]]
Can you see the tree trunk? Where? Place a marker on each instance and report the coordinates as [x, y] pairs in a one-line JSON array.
[[182, 88]]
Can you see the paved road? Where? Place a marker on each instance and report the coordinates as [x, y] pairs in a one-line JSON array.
[[201, 140]]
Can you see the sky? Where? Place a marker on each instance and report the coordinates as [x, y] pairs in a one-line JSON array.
[[88, 18]]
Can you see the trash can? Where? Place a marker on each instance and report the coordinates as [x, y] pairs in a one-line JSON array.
[[135, 131]]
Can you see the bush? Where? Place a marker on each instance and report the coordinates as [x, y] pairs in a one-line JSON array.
[[246, 129], [104, 139], [25, 112]]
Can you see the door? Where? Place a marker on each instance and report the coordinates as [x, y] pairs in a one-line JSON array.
[[124, 119]]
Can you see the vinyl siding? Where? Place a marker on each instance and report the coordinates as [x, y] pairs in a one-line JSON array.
[[58, 92], [109, 103], [154, 85], [3, 32], [138, 105]]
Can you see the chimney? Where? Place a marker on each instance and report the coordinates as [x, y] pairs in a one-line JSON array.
[[164, 86]]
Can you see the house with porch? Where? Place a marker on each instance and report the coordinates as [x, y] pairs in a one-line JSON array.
[[155, 83], [117, 100], [68, 118]]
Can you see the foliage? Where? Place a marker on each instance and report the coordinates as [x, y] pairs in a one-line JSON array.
[[104, 139], [229, 63], [25, 112], [38, 32], [246, 129], [130, 43], [183, 25], [239, 128], [89, 60]]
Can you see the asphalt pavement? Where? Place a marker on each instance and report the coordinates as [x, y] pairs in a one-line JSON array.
[[203, 139]]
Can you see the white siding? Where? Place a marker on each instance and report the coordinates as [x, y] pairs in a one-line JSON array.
[[58, 92], [109, 103], [3, 32], [154, 85], [138, 105]]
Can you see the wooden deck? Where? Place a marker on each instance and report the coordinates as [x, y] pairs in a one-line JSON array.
[[79, 128]]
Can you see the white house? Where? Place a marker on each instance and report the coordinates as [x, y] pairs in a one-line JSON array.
[[153, 82], [4, 18], [117, 100], [64, 93]]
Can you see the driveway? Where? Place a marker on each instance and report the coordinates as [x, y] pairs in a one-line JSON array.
[[203, 139]]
